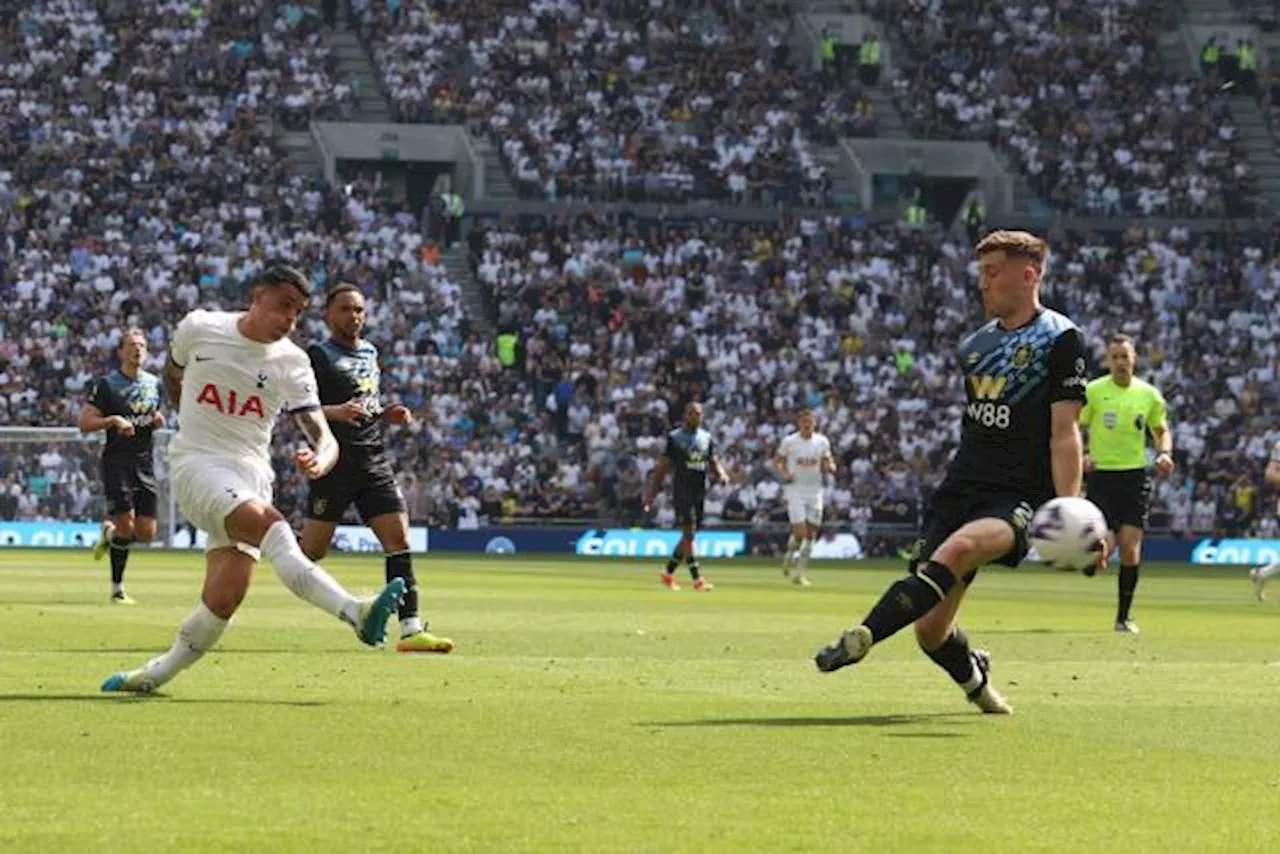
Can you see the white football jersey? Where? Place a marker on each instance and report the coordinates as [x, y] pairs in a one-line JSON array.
[[804, 460], [234, 388]]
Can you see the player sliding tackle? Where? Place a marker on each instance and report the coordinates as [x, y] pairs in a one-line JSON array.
[[802, 459], [1020, 445], [233, 373]]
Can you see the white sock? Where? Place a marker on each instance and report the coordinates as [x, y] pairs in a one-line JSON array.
[[196, 636], [790, 554], [411, 626], [1269, 570], [806, 549], [303, 578], [974, 682], [116, 589]]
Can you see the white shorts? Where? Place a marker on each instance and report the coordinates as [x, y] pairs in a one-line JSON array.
[[209, 488], [805, 509]]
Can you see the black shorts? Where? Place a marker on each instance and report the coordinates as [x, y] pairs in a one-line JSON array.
[[689, 508], [956, 504], [367, 482], [1124, 497], [129, 483]]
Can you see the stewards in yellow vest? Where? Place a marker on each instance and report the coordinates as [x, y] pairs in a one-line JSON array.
[[507, 342], [975, 217], [454, 209], [869, 60], [1247, 68], [915, 216], [828, 52], [1209, 55]]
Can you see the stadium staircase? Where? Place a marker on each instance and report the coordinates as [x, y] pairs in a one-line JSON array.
[[497, 184], [354, 62], [1178, 52], [455, 261]]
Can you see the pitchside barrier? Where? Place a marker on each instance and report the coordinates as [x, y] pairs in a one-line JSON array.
[[60, 467]]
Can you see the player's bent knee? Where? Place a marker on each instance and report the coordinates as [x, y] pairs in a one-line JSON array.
[[250, 521], [124, 525]]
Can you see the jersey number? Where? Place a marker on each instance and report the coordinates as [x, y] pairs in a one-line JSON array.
[[990, 414]]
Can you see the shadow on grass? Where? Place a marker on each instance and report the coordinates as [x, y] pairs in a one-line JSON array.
[[151, 698], [861, 720]]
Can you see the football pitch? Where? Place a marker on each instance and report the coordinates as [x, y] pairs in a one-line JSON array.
[[588, 709]]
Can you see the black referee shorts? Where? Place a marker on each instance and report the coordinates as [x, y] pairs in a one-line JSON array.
[[129, 483], [1124, 497], [368, 482]]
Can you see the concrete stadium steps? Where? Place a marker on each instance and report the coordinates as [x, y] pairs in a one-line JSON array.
[[302, 153], [1259, 144], [497, 183], [843, 183], [889, 123], [455, 261], [355, 62], [1210, 13]]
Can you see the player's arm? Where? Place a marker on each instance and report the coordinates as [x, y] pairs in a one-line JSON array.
[[656, 479], [780, 463], [1067, 383], [319, 459], [717, 468], [180, 345], [302, 402], [828, 460], [92, 420]]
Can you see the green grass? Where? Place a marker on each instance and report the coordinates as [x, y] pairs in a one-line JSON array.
[[587, 709]]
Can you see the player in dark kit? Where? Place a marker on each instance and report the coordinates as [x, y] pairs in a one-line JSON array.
[[690, 455], [349, 380], [1020, 445], [126, 404]]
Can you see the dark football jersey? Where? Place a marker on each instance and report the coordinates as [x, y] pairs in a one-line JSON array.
[[135, 398], [343, 374], [691, 453], [1012, 379]]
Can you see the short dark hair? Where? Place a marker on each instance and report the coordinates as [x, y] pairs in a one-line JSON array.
[[1120, 338], [338, 290], [278, 275]]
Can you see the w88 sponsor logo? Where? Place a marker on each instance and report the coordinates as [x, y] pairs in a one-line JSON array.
[[990, 414]]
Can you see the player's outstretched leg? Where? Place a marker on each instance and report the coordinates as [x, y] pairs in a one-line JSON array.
[[105, 534], [309, 582], [908, 599], [968, 668], [1259, 575], [669, 574], [793, 551], [226, 582]]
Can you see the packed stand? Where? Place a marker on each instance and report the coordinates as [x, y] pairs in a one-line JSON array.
[[1076, 95], [641, 99]]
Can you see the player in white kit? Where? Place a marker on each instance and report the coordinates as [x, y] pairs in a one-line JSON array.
[[233, 373], [1259, 575], [802, 459]]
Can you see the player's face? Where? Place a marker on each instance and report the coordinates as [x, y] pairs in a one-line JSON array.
[[1120, 361], [693, 416], [807, 422], [278, 309], [1005, 281], [346, 315], [133, 351]]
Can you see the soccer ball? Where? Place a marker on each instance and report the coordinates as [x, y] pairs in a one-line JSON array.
[[1068, 533]]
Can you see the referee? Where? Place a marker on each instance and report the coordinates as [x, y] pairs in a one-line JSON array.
[[1119, 411]]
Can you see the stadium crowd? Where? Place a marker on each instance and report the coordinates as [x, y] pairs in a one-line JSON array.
[[639, 99], [128, 198], [1075, 93]]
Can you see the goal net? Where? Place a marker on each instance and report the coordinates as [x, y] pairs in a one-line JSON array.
[[51, 488]]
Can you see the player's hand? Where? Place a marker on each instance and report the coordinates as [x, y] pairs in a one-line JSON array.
[[1164, 464], [1088, 464], [398, 413], [122, 425], [308, 463], [350, 412], [157, 420]]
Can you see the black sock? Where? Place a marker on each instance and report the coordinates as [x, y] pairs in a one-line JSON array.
[[1128, 584], [908, 599], [693, 565], [400, 565], [672, 564], [119, 557], [955, 657]]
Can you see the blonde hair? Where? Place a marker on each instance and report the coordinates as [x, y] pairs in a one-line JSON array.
[[1021, 244]]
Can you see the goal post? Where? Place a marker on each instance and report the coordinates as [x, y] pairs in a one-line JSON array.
[[51, 487]]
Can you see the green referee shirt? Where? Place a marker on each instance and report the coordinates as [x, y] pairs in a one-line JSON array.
[[1118, 418]]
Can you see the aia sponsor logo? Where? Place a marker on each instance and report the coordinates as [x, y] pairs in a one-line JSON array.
[[228, 402]]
